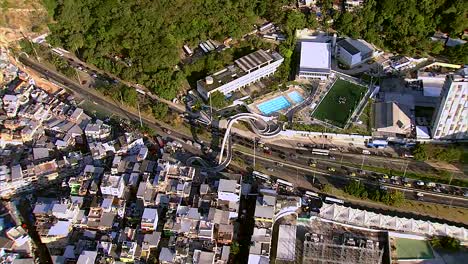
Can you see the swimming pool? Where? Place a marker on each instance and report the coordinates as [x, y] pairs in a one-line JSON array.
[[295, 96], [273, 105]]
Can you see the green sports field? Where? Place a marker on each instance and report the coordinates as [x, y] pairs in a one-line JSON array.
[[339, 103], [413, 249]]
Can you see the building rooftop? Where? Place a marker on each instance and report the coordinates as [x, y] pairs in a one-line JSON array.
[[287, 242], [150, 214], [348, 46], [315, 56], [254, 60], [241, 67], [227, 186]]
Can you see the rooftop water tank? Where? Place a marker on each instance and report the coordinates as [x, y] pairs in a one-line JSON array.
[[209, 80]]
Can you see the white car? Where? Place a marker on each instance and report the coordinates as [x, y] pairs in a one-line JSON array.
[[420, 183]]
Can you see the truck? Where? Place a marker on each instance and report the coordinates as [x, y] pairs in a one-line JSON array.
[[377, 143]]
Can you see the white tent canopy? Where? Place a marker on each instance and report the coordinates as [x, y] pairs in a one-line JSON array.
[[364, 218]]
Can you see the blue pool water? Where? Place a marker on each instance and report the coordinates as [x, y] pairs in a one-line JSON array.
[[296, 97], [273, 105]]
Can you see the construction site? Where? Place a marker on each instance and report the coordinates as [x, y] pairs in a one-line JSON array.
[[327, 242]]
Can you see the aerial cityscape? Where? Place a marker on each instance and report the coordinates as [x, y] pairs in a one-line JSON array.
[[236, 131]]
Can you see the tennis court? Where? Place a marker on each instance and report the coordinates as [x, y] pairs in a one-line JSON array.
[[413, 249], [339, 103]]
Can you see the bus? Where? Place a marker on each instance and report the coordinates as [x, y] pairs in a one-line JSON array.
[[284, 183], [188, 51], [333, 200], [261, 176], [140, 91], [322, 152], [312, 194]]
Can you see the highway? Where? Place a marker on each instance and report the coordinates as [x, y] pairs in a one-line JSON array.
[[300, 163], [301, 175]]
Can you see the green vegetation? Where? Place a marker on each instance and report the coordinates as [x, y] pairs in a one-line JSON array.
[[446, 243], [235, 248], [218, 100], [413, 249], [282, 118], [393, 198], [424, 152], [406, 26], [160, 111], [140, 41], [339, 103]]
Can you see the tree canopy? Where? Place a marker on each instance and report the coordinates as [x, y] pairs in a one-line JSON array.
[[140, 40], [404, 26]]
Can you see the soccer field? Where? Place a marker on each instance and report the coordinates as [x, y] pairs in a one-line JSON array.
[[413, 249], [339, 103]]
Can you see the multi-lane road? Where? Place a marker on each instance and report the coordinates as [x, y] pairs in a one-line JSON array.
[[298, 163]]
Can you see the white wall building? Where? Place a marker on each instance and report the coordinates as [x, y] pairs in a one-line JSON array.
[[149, 220], [352, 52], [451, 118], [352, 4], [315, 60], [244, 72], [113, 185]]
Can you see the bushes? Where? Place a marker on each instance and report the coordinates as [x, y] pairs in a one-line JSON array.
[[423, 152], [393, 198], [446, 243]]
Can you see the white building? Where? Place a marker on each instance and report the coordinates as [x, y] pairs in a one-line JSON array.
[[433, 77], [352, 4], [315, 60], [244, 72], [149, 220], [286, 248], [113, 185], [352, 52], [451, 118], [97, 130]]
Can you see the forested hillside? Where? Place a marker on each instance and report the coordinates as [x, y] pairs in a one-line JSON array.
[[406, 26], [140, 40]]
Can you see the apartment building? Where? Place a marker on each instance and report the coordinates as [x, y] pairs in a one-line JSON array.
[[245, 71], [149, 220], [451, 117]]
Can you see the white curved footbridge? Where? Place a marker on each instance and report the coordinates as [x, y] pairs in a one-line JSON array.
[[260, 127]]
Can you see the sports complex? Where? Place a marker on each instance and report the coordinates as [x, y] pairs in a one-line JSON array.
[[340, 102]]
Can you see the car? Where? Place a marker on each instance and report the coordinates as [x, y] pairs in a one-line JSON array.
[[270, 169], [352, 174], [361, 172], [332, 157], [407, 184], [331, 169], [382, 180], [385, 176], [419, 196], [312, 163], [267, 151], [383, 188], [293, 156], [279, 164], [282, 155], [420, 183]]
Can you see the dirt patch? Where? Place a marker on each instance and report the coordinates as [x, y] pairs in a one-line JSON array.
[[18, 17]]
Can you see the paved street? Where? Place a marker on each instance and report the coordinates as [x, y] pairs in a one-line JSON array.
[[302, 159]]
